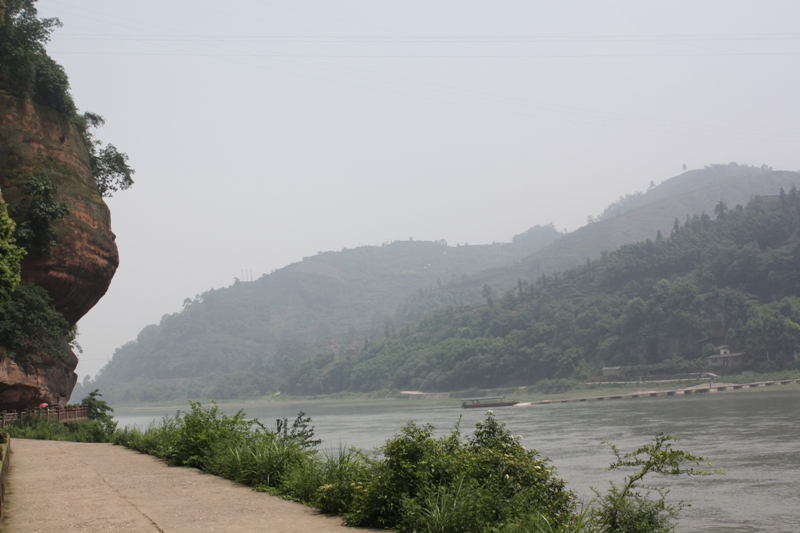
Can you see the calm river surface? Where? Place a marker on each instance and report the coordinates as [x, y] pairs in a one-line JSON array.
[[752, 435]]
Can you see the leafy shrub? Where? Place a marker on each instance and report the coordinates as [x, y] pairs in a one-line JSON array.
[[462, 486], [36, 209], [98, 412], [623, 509], [457, 508], [300, 432], [198, 431]]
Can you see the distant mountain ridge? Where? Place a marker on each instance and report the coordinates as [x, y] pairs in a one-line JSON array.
[[691, 193], [340, 302], [689, 181]]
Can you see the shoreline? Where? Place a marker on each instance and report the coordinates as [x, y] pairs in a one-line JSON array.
[[697, 389], [626, 390]]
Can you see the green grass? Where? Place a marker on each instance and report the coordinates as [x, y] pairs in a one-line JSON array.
[[37, 428]]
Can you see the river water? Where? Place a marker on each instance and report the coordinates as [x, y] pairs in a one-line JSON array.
[[752, 435]]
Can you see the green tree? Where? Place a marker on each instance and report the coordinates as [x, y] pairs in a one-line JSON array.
[[36, 210], [10, 257], [103, 423], [26, 69], [110, 167], [486, 292]]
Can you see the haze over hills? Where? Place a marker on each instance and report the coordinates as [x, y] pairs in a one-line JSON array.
[[637, 217], [641, 216], [331, 302], [253, 334], [648, 308]]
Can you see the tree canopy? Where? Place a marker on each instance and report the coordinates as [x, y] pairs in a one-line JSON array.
[[109, 166], [26, 69]]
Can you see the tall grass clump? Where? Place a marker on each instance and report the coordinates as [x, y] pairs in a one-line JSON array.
[[341, 473], [232, 447], [262, 460], [155, 440]]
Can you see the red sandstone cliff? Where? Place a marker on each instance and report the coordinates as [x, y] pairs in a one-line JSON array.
[[78, 271]]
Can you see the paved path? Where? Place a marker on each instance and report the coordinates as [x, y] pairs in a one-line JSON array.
[[67, 487]]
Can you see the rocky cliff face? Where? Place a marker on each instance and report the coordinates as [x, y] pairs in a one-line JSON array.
[[35, 140]]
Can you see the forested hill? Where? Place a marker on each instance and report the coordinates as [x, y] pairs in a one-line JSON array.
[[331, 302], [639, 216], [645, 215], [246, 339], [661, 304], [633, 218]]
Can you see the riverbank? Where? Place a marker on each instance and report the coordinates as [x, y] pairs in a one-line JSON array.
[[523, 395], [696, 389]]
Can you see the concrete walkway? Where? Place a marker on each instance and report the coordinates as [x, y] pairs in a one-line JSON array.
[[67, 487]]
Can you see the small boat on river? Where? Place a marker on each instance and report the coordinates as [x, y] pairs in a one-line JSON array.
[[486, 401]]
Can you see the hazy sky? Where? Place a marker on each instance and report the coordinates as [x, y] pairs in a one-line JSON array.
[[265, 131]]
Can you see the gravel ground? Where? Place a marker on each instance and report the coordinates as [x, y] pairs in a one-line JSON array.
[[67, 487]]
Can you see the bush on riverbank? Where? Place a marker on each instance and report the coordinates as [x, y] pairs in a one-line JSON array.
[[487, 482], [34, 427], [451, 484]]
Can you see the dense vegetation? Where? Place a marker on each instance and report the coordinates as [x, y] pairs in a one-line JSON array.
[[10, 256], [28, 322], [658, 305], [688, 194], [26, 70], [487, 482], [238, 341]]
